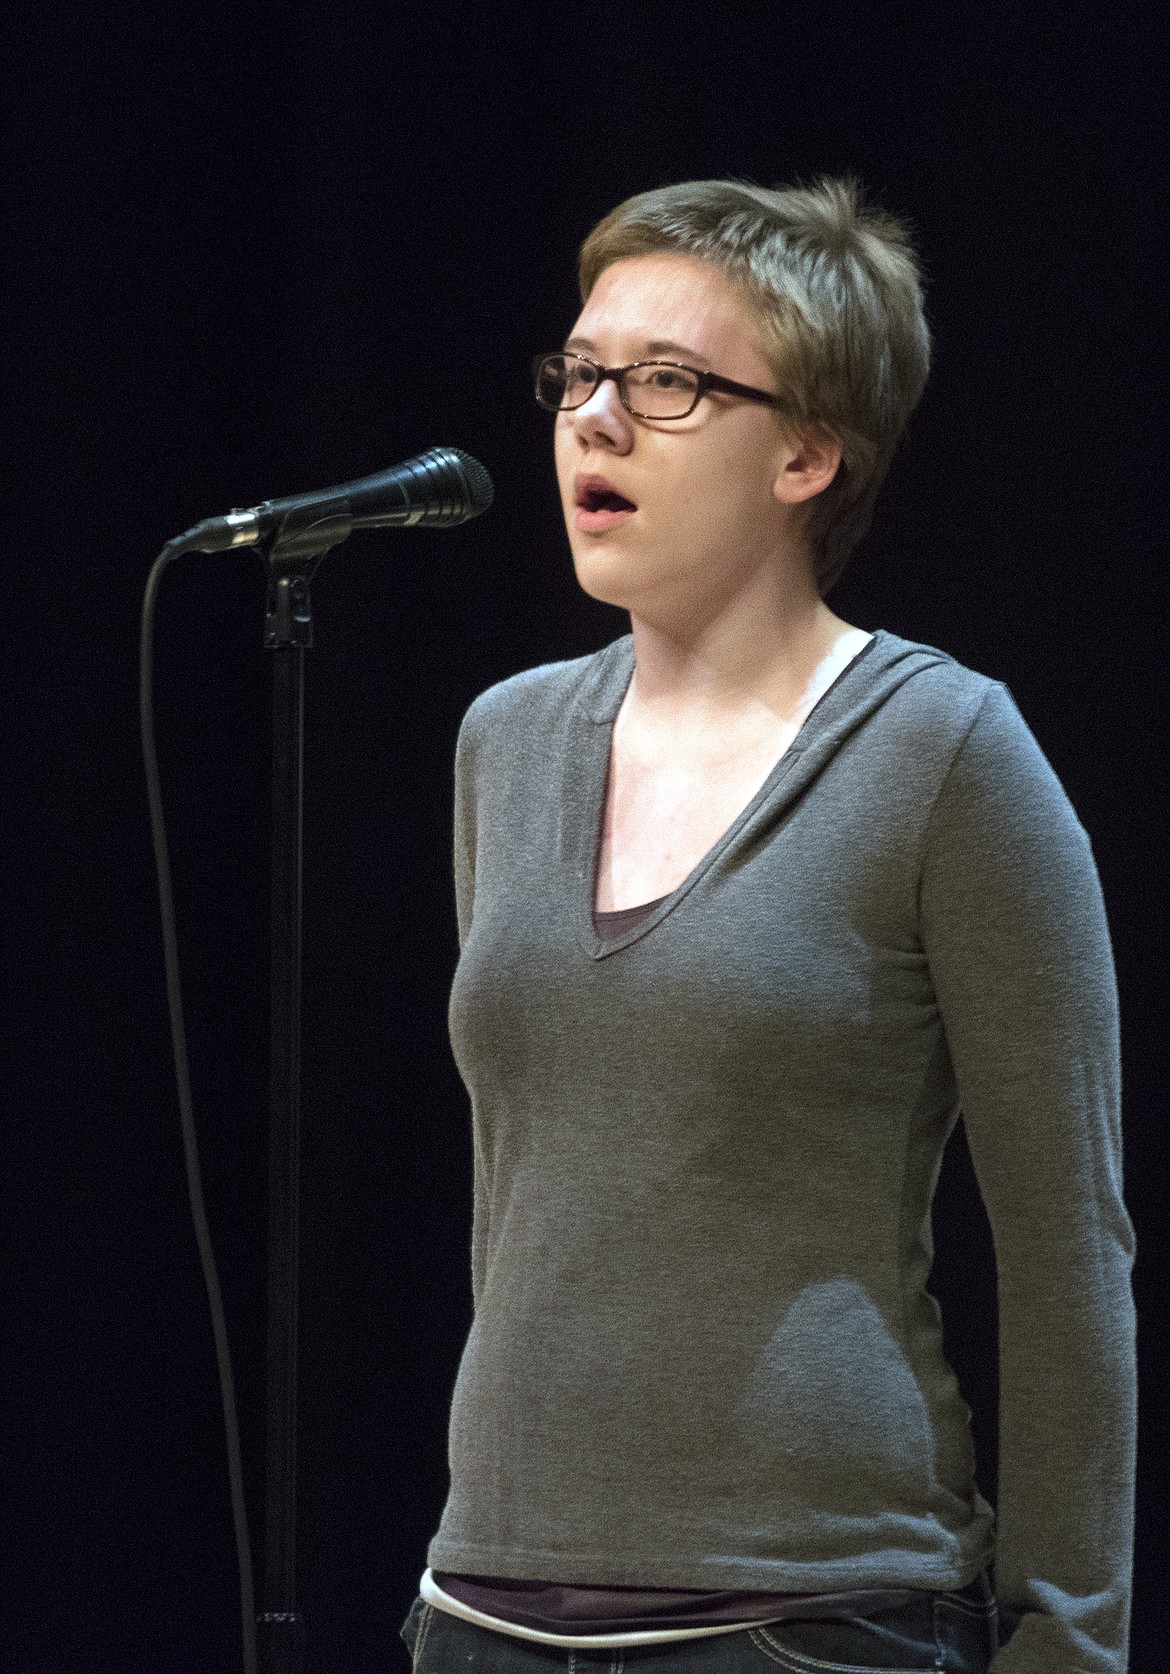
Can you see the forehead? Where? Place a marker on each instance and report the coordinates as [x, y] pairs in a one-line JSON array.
[[643, 302]]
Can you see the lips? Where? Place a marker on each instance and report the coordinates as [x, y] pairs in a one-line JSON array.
[[599, 504]]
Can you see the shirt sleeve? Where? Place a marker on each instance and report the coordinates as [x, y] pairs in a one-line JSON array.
[[464, 834], [466, 753], [1014, 928]]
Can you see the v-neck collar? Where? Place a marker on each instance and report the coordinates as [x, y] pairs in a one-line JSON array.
[[589, 765]]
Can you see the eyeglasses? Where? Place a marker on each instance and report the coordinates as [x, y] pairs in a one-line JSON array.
[[653, 389]]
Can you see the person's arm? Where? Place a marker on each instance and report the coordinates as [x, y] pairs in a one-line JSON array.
[[1014, 929], [464, 845], [464, 859]]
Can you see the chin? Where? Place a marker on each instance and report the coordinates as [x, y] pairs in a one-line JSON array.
[[605, 576]]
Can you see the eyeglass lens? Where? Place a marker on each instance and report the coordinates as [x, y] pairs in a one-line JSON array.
[[650, 391]]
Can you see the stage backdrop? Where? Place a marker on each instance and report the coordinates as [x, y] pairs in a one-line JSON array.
[[256, 250]]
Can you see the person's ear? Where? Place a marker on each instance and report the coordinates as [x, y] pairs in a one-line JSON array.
[[810, 464]]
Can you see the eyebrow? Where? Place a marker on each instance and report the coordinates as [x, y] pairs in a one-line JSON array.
[[661, 345]]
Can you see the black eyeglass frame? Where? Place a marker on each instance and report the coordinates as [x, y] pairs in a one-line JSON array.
[[707, 381]]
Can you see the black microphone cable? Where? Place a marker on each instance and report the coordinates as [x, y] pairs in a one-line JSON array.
[[172, 550]]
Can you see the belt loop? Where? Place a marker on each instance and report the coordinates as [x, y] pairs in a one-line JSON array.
[[942, 1635], [992, 1616]]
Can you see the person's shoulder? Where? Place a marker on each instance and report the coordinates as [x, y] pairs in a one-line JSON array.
[[936, 692], [536, 699], [974, 718], [933, 672], [531, 689]]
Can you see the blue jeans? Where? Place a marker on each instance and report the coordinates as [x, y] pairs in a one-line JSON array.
[[934, 1632]]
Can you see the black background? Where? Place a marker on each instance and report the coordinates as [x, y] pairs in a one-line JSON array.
[[255, 250]]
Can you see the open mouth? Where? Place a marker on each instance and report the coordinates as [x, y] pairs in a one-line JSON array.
[[604, 499], [599, 505]]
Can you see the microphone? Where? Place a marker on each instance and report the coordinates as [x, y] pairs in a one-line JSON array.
[[436, 490]]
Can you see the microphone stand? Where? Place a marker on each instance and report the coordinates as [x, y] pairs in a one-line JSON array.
[[291, 554], [438, 489]]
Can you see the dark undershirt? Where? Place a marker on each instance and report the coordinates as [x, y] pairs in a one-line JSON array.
[[555, 1607], [610, 926]]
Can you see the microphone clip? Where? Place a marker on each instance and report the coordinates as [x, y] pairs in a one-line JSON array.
[[291, 553]]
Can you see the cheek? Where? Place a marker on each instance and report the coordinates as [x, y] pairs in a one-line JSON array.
[[720, 485], [565, 458]]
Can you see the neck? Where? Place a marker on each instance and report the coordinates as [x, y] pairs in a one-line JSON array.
[[762, 647]]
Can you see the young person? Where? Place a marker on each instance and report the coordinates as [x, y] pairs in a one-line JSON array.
[[752, 904]]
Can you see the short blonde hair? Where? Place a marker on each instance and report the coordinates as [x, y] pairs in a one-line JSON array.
[[837, 289]]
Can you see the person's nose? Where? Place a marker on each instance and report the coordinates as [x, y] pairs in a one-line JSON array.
[[602, 421]]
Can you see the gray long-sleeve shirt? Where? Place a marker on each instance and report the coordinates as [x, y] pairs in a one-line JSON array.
[[703, 1353]]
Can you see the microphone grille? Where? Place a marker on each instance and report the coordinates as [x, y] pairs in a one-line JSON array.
[[478, 481], [454, 487]]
